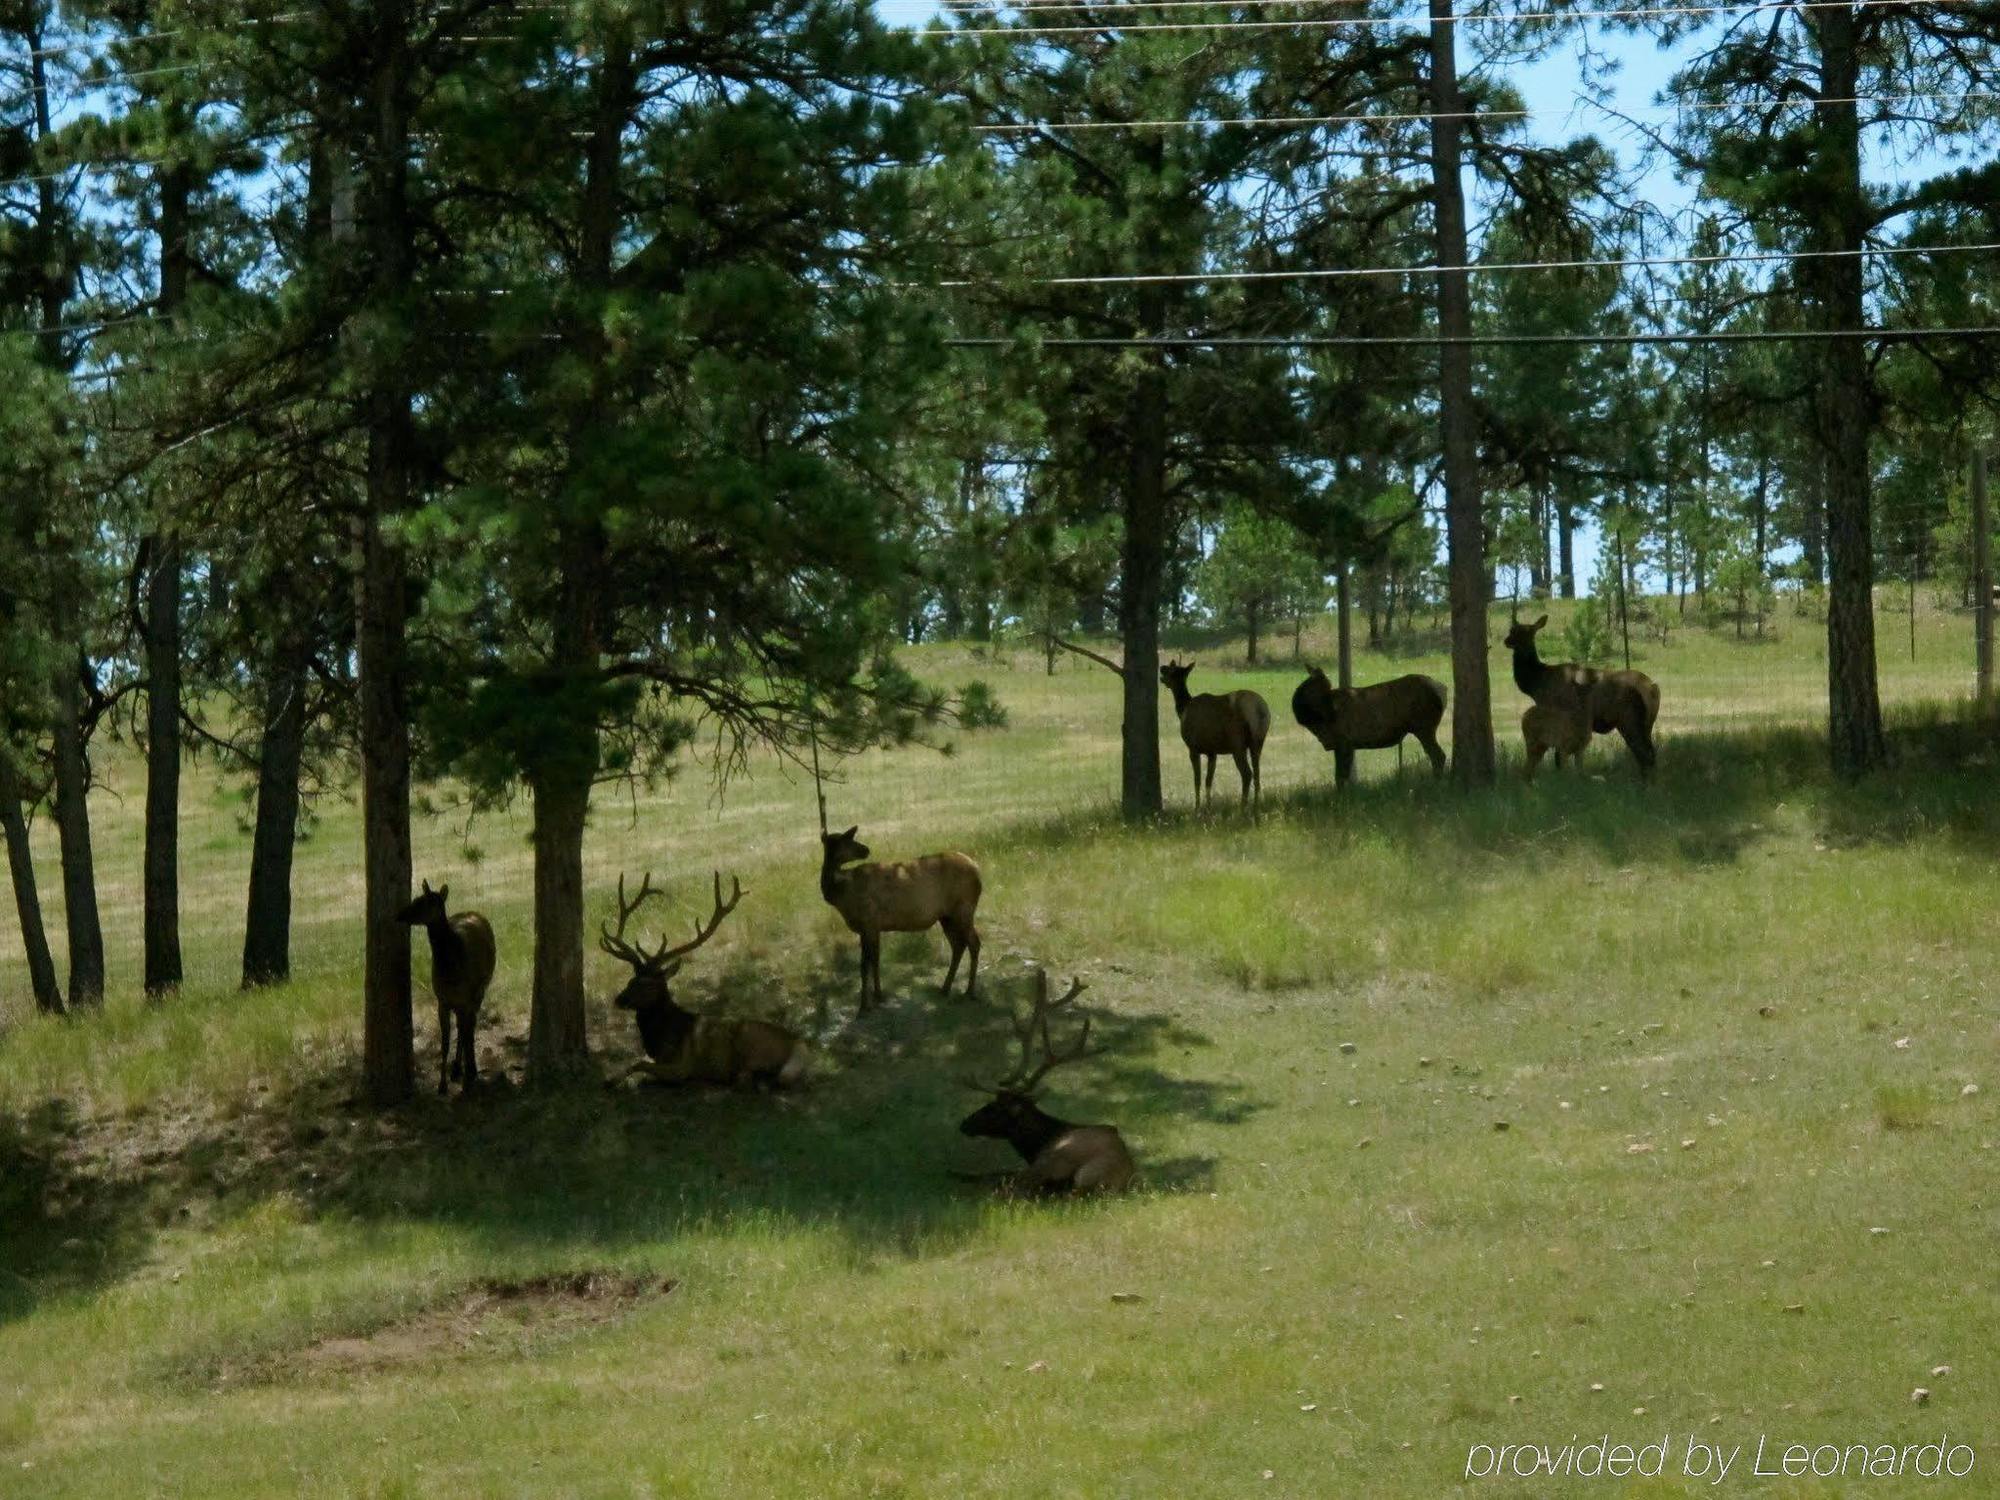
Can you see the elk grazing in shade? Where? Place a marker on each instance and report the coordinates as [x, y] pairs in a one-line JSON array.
[[1375, 717], [938, 890], [1625, 701], [1061, 1157], [1560, 727], [1214, 724], [462, 956], [682, 1047]]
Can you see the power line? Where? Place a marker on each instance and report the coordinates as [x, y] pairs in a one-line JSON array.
[[1420, 341], [1633, 263], [1498, 18], [1577, 102]]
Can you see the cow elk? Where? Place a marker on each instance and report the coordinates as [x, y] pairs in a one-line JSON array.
[[1625, 701], [1061, 1157], [682, 1047], [1376, 717], [1216, 724], [939, 890], [462, 956]]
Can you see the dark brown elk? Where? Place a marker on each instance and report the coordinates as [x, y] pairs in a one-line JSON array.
[[1623, 701], [1376, 717], [682, 1047], [462, 957], [1560, 727], [938, 890], [1215, 724], [1061, 1157]]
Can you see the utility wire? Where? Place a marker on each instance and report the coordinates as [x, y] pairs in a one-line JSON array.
[[1496, 18], [1481, 340], [1482, 268]]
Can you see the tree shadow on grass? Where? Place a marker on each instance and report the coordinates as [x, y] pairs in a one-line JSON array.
[[1714, 795], [587, 1171]]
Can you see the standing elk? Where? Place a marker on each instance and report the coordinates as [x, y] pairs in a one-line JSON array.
[[1214, 724], [682, 1047], [1560, 727], [1376, 717], [940, 890], [1625, 701], [462, 957], [1061, 1157]]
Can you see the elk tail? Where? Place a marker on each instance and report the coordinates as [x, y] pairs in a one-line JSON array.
[[795, 1066]]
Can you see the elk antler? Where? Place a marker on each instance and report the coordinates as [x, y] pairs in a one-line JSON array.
[[614, 943], [1030, 1072], [702, 933]]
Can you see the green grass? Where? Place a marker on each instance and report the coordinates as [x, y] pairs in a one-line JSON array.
[[1346, 1273]]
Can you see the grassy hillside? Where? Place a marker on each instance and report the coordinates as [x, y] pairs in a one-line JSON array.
[[1583, 1108]]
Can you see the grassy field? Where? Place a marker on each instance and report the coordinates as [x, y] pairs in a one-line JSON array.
[[1571, 1110]]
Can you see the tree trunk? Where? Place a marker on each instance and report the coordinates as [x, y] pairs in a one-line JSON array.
[[380, 604], [557, 1043], [1982, 583], [1144, 568], [267, 924], [1539, 569], [162, 922], [1472, 757], [1344, 627], [27, 897], [162, 641], [1566, 543], [1845, 408], [72, 815], [1251, 618]]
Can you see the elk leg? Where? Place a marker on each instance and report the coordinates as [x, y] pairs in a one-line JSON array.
[[1243, 770], [1257, 773], [1194, 764], [468, 1025], [972, 970], [1535, 753], [444, 1044], [1343, 766], [1211, 781], [1433, 749], [871, 970], [957, 940]]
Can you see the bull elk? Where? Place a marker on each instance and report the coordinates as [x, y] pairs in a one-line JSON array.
[[1061, 1157], [1625, 701], [682, 1047], [1376, 717], [1215, 724], [939, 890], [462, 957]]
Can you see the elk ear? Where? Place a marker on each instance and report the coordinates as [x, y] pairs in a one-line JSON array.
[[443, 891], [427, 887], [1539, 623], [852, 831]]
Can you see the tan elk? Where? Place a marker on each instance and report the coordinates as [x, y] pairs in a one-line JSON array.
[[1561, 727], [1375, 717], [1061, 1157], [1214, 724], [938, 890], [1625, 701], [462, 957], [682, 1047]]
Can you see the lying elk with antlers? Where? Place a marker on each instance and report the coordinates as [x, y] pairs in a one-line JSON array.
[[681, 1046], [1061, 1157]]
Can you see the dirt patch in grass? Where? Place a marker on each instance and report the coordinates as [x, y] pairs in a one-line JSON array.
[[486, 1317]]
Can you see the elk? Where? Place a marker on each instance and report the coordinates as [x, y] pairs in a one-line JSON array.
[[1625, 701], [1215, 724], [1061, 1157], [682, 1047], [462, 956], [910, 896], [1376, 717], [1560, 727]]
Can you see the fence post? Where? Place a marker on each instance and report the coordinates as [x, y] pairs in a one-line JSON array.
[[1982, 578]]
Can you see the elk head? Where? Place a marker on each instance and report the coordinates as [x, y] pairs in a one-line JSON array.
[[1520, 636], [1012, 1113], [651, 970], [427, 908], [843, 848], [1174, 674]]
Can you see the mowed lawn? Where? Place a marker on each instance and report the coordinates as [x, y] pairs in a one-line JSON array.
[[1572, 1110]]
